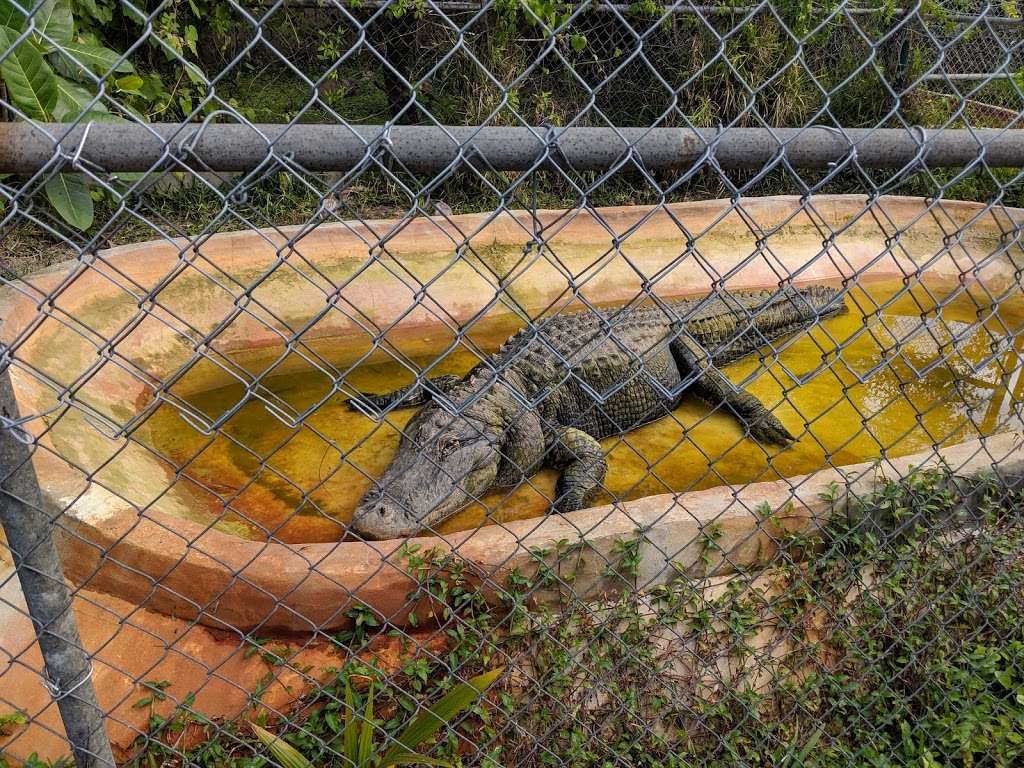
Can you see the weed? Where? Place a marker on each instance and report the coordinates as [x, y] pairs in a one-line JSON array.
[[903, 646]]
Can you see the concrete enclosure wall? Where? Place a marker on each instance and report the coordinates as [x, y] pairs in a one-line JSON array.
[[149, 323]]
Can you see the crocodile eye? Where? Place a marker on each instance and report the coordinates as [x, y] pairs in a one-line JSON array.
[[447, 446]]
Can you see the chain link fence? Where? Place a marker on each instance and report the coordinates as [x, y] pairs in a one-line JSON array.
[[511, 383]]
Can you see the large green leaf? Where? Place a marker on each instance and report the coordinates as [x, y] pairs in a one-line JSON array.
[[366, 737], [31, 83], [284, 753], [72, 100], [350, 737], [10, 15], [100, 115], [54, 20], [412, 758], [428, 723], [69, 195], [94, 58]]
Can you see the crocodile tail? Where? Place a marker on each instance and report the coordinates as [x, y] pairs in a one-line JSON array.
[[779, 315], [796, 309]]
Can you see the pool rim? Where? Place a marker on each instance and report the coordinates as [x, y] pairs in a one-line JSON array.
[[184, 568]]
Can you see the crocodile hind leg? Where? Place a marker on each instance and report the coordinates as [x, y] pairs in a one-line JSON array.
[[712, 385], [415, 394], [582, 464]]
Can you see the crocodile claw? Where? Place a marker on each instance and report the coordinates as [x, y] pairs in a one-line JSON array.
[[768, 429], [364, 403]]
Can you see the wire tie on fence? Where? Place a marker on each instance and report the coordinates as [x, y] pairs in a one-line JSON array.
[[187, 144], [381, 144], [924, 134], [923, 145], [76, 157], [851, 147], [552, 147], [109, 428], [356, 403], [384, 141], [58, 693], [201, 427], [708, 156], [465, 155], [13, 426], [292, 422]]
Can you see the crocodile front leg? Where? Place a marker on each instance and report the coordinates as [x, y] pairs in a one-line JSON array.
[[407, 397], [583, 466], [712, 385]]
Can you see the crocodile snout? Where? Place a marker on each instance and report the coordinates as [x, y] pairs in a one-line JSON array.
[[379, 517]]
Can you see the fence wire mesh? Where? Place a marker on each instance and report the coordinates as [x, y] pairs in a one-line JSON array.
[[361, 408]]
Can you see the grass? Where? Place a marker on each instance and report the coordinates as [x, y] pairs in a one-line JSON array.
[[904, 645]]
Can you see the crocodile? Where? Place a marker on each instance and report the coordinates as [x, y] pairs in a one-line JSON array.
[[554, 389]]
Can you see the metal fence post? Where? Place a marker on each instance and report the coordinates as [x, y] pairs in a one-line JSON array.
[[29, 535]]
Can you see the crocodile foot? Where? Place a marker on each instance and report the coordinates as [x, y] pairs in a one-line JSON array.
[[366, 403], [569, 502], [768, 429]]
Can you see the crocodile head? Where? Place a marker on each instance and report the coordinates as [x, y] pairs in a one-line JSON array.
[[444, 461]]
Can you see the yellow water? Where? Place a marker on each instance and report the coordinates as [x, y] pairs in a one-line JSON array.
[[301, 483]]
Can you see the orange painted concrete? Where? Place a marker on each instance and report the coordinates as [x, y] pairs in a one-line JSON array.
[[162, 298]]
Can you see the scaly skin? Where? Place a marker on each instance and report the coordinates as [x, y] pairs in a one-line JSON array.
[[551, 392]]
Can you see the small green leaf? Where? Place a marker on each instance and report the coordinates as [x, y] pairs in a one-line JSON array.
[[578, 42], [12, 720], [69, 194], [127, 179], [284, 753], [801, 759], [194, 73], [153, 87], [130, 84], [31, 83], [191, 38], [332, 721], [94, 58]]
